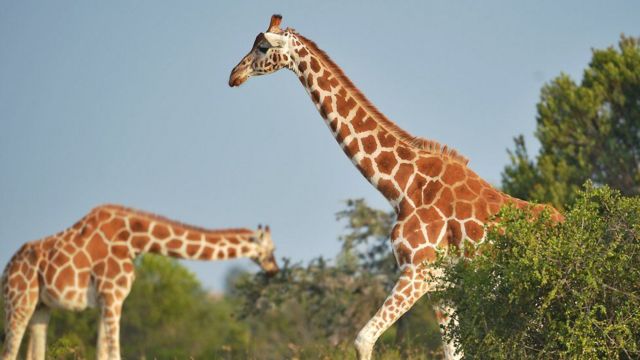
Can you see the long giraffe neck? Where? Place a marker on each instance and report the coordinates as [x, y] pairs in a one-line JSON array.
[[379, 148], [136, 232]]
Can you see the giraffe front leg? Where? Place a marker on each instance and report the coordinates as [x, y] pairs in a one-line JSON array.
[[408, 289], [109, 330], [443, 314], [102, 347], [113, 288], [38, 333]]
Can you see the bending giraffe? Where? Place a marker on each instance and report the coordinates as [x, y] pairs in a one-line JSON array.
[[438, 200], [91, 264]]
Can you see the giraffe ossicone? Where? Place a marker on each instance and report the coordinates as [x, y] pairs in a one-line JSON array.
[[438, 200], [91, 264]]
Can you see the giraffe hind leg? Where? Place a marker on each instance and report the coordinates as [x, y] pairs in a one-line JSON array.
[[444, 319], [19, 309], [109, 332], [20, 289], [16, 323], [111, 301]]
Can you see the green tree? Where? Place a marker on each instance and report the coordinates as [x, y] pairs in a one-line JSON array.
[[543, 291], [587, 131], [366, 244], [169, 315]]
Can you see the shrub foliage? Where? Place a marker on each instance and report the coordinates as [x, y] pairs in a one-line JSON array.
[[538, 290]]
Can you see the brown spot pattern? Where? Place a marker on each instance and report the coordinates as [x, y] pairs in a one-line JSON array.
[[160, 232], [403, 174], [386, 161], [425, 254], [315, 65], [474, 230], [430, 166], [453, 173]]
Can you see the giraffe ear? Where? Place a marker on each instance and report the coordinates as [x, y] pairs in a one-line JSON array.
[[274, 25]]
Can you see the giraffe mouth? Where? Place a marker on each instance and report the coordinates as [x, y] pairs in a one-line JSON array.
[[237, 80], [240, 73]]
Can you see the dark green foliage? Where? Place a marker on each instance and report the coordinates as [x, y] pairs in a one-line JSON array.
[[183, 321], [587, 131], [68, 347], [540, 291], [71, 335]]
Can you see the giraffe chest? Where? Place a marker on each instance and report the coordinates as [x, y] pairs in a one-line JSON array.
[[423, 232], [75, 293]]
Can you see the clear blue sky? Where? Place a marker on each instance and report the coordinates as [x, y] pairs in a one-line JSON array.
[[127, 102]]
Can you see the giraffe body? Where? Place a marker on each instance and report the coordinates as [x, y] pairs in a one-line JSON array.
[[438, 200], [91, 264]]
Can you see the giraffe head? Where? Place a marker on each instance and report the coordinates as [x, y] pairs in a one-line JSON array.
[[265, 248], [270, 53]]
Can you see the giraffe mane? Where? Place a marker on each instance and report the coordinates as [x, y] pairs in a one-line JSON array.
[[174, 223], [415, 142]]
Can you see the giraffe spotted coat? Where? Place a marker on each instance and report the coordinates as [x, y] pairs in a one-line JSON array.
[[439, 201], [91, 264]]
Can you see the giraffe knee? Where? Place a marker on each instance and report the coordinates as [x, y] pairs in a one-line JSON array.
[[364, 344]]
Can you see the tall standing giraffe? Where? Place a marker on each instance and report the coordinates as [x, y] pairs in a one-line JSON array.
[[91, 263], [438, 200]]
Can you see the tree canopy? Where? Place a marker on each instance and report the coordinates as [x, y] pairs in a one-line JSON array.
[[587, 131]]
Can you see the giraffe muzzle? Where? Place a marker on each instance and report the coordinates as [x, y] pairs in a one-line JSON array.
[[235, 81], [241, 72]]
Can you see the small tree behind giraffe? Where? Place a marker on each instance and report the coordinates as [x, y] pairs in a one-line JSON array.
[[91, 264]]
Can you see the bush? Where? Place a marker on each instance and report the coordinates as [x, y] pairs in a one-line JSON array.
[[540, 290]]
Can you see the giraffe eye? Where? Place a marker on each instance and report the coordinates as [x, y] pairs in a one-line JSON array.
[[263, 49]]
